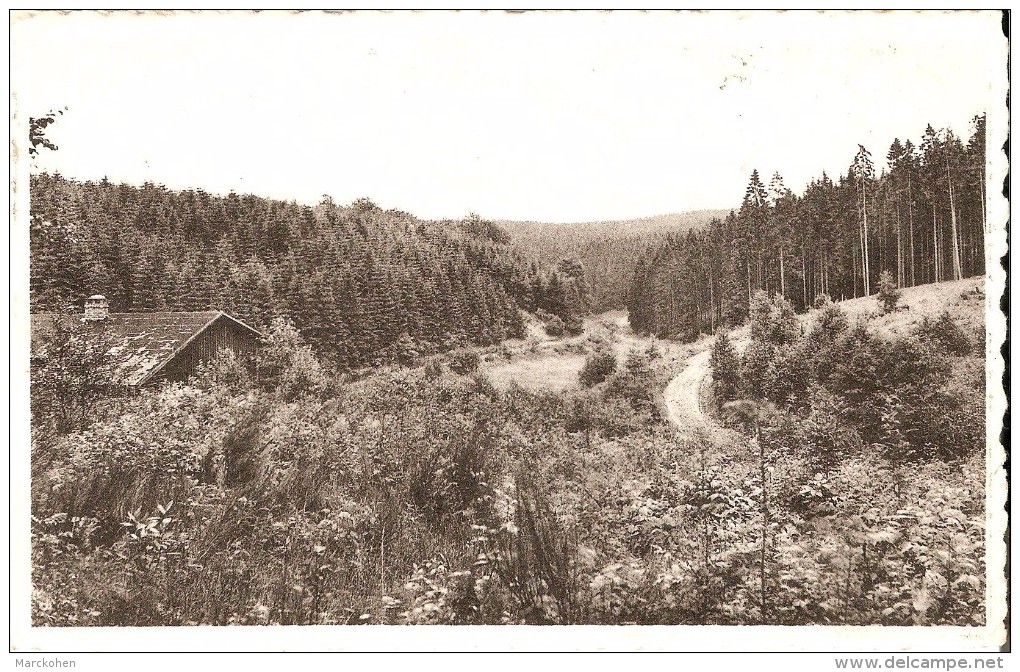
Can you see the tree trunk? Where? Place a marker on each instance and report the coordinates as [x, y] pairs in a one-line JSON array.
[[900, 277], [957, 270], [983, 197], [711, 300], [856, 252], [782, 272], [935, 243], [910, 214], [825, 272], [865, 260], [803, 273]]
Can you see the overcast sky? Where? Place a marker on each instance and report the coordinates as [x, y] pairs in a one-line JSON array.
[[550, 116]]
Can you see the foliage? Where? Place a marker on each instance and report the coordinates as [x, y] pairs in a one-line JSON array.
[[553, 324], [361, 285], [598, 365], [405, 498], [888, 292], [943, 334], [37, 132], [832, 322], [286, 365], [847, 387], [464, 362], [70, 373], [725, 367], [636, 383], [773, 321]]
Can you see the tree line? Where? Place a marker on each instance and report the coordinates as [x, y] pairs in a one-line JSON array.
[[608, 250], [362, 284], [922, 219]]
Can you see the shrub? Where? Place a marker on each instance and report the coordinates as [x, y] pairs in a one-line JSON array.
[[71, 375], [573, 325], [225, 370], [832, 321], [944, 334], [286, 365], [787, 375], [822, 300], [824, 435], [597, 367], [464, 362], [635, 384], [433, 369], [773, 320], [725, 367], [888, 292], [754, 367], [554, 325]]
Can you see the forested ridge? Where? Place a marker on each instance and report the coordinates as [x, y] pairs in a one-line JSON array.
[[607, 250], [921, 218], [361, 284], [836, 477]]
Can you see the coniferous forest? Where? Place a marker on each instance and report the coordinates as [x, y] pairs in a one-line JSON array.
[[502, 455], [510, 319], [921, 218], [608, 251], [361, 284]]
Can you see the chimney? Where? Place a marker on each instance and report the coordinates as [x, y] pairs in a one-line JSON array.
[[97, 307]]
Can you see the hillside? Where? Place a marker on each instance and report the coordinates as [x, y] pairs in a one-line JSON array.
[[608, 250], [963, 300], [363, 285]]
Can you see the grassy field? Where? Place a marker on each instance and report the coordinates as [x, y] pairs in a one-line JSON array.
[[552, 373]]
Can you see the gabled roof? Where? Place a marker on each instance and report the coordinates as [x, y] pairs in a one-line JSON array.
[[142, 344]]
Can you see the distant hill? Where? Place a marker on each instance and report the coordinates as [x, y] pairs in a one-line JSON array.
[[608, 250], [668, 222]]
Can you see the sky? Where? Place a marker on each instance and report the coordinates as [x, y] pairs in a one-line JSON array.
[[550, 116]]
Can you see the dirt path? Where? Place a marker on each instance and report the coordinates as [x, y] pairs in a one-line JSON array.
[[548, 370], [684, 392], [683, 396]]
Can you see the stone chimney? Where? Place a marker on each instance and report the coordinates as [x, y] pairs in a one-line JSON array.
[[97, 307]]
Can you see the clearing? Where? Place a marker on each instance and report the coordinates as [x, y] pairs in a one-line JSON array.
[[549, 364]]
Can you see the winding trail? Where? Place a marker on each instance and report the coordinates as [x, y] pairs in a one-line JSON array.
[[683, 396], [684, 392]]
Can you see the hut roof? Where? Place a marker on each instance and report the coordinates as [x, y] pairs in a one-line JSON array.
[[141, 344]]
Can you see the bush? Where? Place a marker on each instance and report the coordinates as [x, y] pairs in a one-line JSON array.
[[888, 292], [597, 367], [832, 321], [573, 325], [754, 367], [433, 369], [773, 321], [725, 367], [822, 300], [944, 334], [225, 370], [635, 384], [287, 366], [71, 375], [464, 362], [554, 326]]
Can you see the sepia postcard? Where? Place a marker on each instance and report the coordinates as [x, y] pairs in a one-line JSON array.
[[410, 331]]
